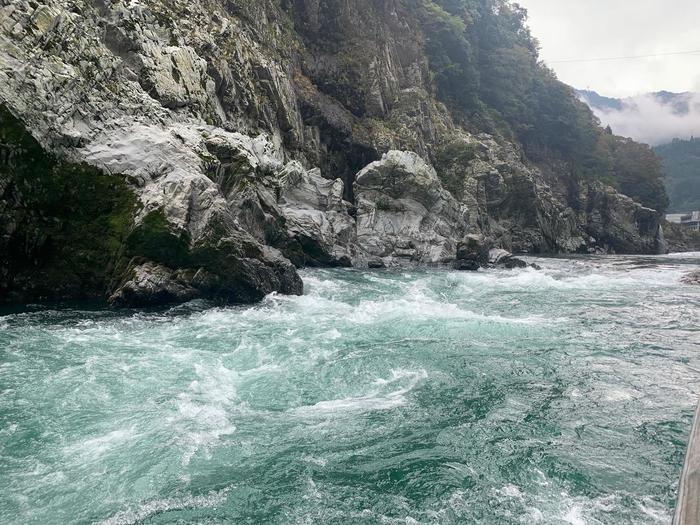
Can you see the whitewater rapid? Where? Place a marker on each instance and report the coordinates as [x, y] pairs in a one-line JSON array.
[[556, 396]]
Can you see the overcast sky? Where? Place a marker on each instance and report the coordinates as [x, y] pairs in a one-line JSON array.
[[581, 29]]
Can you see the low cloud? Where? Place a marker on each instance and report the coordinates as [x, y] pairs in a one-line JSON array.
[[654, 119]]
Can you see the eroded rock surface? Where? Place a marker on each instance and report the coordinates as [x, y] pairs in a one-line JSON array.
[[403, 211], [210, 148]]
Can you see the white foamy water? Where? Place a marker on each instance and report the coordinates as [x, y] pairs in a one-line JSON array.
[[556, 396]]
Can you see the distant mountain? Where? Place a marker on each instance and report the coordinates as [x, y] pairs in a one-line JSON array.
[[597, 101], [654, 118], [680, 103], [681, 160], [677, 103]]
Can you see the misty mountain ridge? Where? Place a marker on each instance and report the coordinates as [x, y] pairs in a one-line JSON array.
[[654, 118], [678, 103]]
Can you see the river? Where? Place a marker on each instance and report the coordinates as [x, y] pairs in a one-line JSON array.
[[427, 396]]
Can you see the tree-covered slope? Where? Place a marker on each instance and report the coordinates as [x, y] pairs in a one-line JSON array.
[[520, 97], [681, 161]]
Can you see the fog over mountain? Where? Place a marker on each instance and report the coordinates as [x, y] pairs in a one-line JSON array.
[[653, 118]]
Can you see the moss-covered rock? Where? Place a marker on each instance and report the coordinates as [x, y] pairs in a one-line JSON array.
[[225, 264], [62, 224], [70, 231]]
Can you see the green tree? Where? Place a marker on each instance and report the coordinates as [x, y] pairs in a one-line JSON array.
[[486, 68]]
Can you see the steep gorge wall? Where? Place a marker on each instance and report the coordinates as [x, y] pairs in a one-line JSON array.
[[211, 115]]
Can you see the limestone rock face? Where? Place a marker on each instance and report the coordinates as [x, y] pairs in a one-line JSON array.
[[282, 204], [317, 217], [526, 210], [210, 148], [680, 239], [107, 85], [404, 213], [619, 224]]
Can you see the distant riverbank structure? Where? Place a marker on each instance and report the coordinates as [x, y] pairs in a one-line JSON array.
[[690, 220]]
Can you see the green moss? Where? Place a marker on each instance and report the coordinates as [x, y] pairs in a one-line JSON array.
[[156, 239], [64, 223]]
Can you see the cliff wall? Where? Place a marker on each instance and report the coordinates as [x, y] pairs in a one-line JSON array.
[[157, 151]]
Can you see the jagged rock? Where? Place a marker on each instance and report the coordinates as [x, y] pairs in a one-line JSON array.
[[403, 212], [680, 239], [474, 248], [317, 217], [283, 205], [231, 278], [151, 284], [503, 258], [80, 101], [498, 255], [619, 224], [528, 211]]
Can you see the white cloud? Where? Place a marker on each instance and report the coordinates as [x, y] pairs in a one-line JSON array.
[[646, 119]]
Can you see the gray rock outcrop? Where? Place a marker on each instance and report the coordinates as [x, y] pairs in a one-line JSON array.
[[99, 84], [404, 213], [472, 253], [317, 217], [158, 151]]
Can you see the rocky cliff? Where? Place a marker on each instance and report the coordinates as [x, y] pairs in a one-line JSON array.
[[155, 151]]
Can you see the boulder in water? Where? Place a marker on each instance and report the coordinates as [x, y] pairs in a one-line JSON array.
[[498, 255], [465, 265], [504, 259], [474, 248], [152, 284], [513, 262]]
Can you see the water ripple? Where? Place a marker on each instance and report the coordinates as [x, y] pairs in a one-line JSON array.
[[430, 396]]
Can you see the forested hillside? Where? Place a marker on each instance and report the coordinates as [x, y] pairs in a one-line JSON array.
[[681, 161], [486, 67]]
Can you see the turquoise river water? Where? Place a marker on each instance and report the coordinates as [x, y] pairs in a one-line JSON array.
[[561, 396]]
